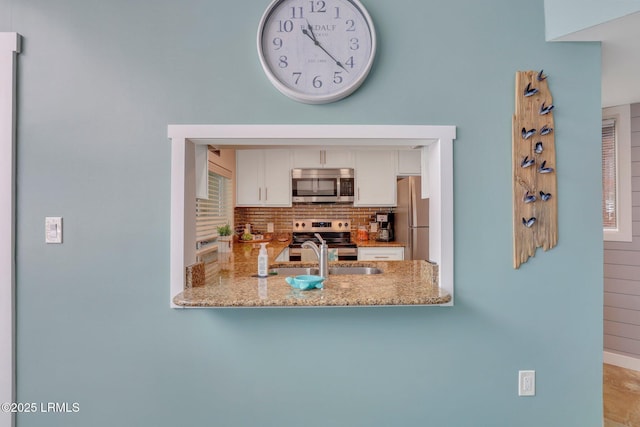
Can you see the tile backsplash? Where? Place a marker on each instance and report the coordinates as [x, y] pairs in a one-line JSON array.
[[282, 218]]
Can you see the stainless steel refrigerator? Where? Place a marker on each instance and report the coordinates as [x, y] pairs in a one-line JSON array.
[[412, 219]]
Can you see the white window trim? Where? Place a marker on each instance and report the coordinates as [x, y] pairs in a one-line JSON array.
[[225, 193], [188, 142], [622, 116], [9, 49]]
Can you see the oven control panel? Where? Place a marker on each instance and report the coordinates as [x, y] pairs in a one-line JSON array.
[[320, 225]]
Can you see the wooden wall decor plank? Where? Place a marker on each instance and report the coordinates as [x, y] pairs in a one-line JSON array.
[[529, 181]]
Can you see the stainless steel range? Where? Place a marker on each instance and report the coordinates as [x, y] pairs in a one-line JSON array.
[[336, 232]]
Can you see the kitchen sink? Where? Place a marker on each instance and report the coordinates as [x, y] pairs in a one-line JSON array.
[[354, 270], [295, 271]]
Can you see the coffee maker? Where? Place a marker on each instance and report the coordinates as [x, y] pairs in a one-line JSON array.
[[385, 226]]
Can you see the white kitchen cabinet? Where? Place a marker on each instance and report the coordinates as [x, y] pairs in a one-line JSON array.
[[409, 162], [249, 177], [277, 177], [375, 178], [338, 159], [322, 158], [263, 177], [381, 253]]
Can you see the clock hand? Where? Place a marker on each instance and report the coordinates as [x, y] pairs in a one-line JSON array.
[[306, 33], [309, 33], [338, 63], [313, 36]]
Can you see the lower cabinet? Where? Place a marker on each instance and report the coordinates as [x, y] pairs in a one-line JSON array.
[[382, 253]]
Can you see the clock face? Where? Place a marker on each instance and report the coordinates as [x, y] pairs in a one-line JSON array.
[[316, 51]]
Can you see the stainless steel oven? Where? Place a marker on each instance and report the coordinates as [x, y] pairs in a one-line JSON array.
[[336, 232], [322, 185]]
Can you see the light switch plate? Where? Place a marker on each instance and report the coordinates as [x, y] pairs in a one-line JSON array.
[[53, 229], [526, 383]]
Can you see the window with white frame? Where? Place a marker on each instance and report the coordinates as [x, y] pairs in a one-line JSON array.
[[215, 211], [609, 175], [616, 173]]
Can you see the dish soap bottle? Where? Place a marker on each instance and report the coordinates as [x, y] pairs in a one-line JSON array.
[[263, 260]]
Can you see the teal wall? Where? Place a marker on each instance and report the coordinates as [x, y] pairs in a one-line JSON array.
[[99, 81]]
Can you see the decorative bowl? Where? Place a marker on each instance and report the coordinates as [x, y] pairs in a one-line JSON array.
[[305, 282]]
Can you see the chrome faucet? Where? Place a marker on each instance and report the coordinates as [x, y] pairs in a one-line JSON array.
[[322, 253]]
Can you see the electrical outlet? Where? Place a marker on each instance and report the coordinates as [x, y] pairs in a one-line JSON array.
[[526, 383]]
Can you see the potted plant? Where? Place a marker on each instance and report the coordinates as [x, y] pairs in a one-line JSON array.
[[224, 238]]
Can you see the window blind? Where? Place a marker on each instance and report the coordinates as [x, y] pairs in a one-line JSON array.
[[609, 175], [215, 211]]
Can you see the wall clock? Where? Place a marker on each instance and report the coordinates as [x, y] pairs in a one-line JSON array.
[[316, 51]]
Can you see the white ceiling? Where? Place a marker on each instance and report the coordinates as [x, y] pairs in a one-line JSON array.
[[620, 58]]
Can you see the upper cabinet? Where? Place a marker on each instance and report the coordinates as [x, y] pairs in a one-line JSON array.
[[322, 158], [263, 177], [277, 177], [409, 162], [375, 178]]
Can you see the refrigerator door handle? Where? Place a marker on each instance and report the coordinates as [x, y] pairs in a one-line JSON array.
[[413, 204], [411, 213]]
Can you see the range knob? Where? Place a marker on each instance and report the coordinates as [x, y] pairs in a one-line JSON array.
[[303, 224], [346, 224], [340, 225], [297, 225]]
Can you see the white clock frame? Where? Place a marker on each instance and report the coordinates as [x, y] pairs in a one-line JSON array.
[[308, 98]]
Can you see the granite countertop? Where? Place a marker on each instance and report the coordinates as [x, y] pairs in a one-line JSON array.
[[232, 282]]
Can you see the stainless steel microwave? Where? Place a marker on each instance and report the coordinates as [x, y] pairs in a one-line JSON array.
[[322, 185]]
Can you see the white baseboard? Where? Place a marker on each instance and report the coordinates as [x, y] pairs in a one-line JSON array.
[[622, 361]]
